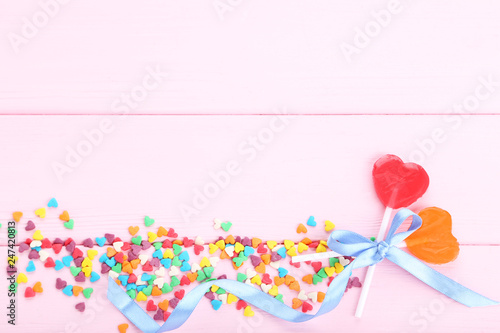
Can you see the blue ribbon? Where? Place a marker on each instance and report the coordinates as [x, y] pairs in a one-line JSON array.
[[344, 242]]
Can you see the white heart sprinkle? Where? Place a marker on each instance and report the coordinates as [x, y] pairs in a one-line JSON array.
[[223, 298], [251, 273], [174, 270], [144, 258], [265, 287], [35, 243], [43, 255], [274, 264], [302, 296], [217, 224], [313, 296], [229, 250], [343, 261], [214, 261], [159, 282], [113, 275], [247, 281], [199, 241], [195, 267], [118, 246], [160, 271]]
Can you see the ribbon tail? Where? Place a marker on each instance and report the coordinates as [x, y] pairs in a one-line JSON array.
[[130, 309], [438, 281], [258, 299]]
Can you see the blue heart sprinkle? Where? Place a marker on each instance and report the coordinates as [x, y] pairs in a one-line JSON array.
[[37, 248], [31, 266], [166, 262], [185, 266], [123, 279], [103, 258], [145, 277], [139, 288], [216, 304], [184, 256], [111, 262], [94, 277], [131, 286], [53, 203], [158, 254], [282, 252], [100, 241], [282, 272], [67, 260], [68, 290], [59, 265], [311, 221], [248, 251]]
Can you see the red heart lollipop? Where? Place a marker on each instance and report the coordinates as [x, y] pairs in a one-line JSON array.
[[398, 184]]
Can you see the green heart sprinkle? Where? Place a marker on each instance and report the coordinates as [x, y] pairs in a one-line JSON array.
[[70, 224], [166, 288], [333, 261], [220, 291], [201, 276], [174, 281], [147, 291], [75, 270], [279, 297], [148, 221], [208, 271], [316, 279], [177, 249], [117, 268], [241, 277], [131, 293], [137, 240], [226, 226], [322, 273], [87, 292], [176, 262], [157, 245]]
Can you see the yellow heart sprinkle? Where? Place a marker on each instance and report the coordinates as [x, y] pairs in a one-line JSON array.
[[291, 252], [215, 288], [87, 271], [271, 244], [152, 236], [91, 254], [141, 297], [329, 226], [256, 279], [248, 312], [274, 291], [238, 247], [21, 278], [86, 262], [205, 262], [168, 254], [37, 235], [338, 268], [329, 270], [231, 298], [320, 248], [40, 212], [212, 248], [221, 244], [302, 247], [288, 244]]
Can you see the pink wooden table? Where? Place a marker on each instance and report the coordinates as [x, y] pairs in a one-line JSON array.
[[196, 87]]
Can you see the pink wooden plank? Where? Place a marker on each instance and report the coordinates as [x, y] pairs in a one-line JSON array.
[[262, 55]]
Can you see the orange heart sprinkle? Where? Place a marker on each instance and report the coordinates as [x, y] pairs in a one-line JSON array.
[[224, 255], [306, 241], [308, 279], [256, 242], [123, 328], [163, 305], [162, 232], [301, 229], [64, 216], [296, 303], [38, 287], [77, 290], [289, 279], [294, 286], [266, 258], [17, 216], [192, 276], [135, 263], [279, 280], [156, 291], [230, 240], [260, 268], [321, 296], [133, 230], [110, 252]]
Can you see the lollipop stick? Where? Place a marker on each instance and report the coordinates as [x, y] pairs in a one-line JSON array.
[[371, 269]]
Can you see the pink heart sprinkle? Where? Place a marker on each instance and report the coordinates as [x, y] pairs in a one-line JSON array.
[[60, 284], [30, 226], [80, 307]]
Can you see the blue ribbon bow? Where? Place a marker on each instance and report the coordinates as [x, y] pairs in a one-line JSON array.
[[344, 242]]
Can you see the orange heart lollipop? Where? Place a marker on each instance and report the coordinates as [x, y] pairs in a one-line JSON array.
[[433, 242]]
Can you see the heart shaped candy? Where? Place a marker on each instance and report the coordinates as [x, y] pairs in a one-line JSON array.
[[398, 184], [433, 242]]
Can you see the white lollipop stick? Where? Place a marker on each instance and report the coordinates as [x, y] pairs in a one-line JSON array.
[[371, 269]]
